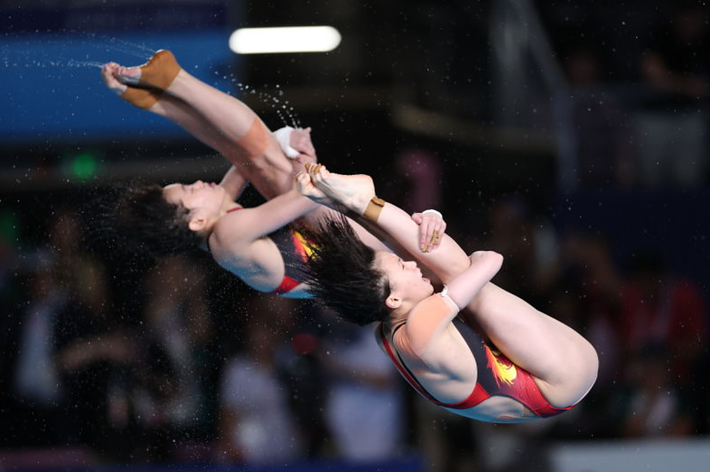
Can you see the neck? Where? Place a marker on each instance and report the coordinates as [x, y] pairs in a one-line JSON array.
[[228, 205], [398, 316]]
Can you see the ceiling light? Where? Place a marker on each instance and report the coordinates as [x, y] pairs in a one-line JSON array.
[[284, 39]]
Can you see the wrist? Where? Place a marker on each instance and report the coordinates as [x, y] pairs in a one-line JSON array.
[[433, 212], [283, 136]]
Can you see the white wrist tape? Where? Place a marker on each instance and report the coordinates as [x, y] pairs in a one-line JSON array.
[[433, 212], [283, 136]]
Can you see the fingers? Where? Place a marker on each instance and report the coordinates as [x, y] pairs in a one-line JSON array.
[[303, 180], [431, 232], [304, 158]]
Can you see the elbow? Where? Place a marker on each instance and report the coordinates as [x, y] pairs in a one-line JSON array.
[[496, 259], [490, 257], [491, 260]]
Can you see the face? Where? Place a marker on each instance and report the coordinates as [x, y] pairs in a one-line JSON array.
[[202, 200], [405, 278]]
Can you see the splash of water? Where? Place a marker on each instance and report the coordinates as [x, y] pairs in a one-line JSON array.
[[50, 49], [283, 109]]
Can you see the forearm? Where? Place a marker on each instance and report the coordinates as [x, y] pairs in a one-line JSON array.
[[463, 288], [234, 182], [446, 262], [276, 213]]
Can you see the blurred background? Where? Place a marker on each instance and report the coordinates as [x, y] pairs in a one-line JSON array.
[[570, 136]]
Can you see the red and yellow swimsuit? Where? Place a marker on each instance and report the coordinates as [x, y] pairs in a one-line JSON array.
[[294, 252], [497, 375]]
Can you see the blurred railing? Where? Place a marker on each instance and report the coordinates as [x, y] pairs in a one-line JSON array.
[[530, 91]]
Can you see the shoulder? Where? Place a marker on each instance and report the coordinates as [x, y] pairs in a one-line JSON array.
[[429, 329], [230, 234], [432, 310]]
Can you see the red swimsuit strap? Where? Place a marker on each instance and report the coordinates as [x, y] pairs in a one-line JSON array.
[[476, 397], [234, 209], [402, 369]]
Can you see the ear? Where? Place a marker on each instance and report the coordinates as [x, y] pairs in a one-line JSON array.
[[197, 224], [393, 302]]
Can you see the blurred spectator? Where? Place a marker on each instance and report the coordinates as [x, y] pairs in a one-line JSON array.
[[447, 441], [422, 174], [671, 127], [650, 404], [592, 277], [9, 236], [90, 350], [659, 308], [257, 424], [604, 153], [587, 297], [35, 403], [529, 245], [363, 408], [171, 393]]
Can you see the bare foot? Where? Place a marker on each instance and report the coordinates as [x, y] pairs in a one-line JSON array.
[[141, 98], [108, 74], [352, 191], [129, 75], [159, 72]]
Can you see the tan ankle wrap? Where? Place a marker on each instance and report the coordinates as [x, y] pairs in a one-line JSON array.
[[160, 70], [374, 208], [141, 98]]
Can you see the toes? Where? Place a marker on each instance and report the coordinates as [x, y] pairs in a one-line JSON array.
[[128, 75]]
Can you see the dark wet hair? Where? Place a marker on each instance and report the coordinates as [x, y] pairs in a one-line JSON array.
[[137, 218], [342, 273]]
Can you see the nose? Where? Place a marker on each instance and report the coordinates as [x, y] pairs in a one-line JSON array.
[[411, 265]]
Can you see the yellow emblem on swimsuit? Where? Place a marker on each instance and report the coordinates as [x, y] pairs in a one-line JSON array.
[[302, 247], [503, 370]]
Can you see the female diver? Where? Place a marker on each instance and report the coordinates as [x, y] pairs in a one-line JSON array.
[[256, 244], [473, 348]]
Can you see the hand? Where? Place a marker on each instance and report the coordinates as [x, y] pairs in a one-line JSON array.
[[306, 187], [300, 140], [431, 230]]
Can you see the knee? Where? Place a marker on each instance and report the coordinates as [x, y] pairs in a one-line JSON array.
[[587, 368]]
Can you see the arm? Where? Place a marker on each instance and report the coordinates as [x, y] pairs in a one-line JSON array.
[[250, 224], [429, 323], [446, 262], [465, 286], [393, 225], [234, 183]]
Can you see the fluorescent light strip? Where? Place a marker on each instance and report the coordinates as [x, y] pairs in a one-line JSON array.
[[285, 39]]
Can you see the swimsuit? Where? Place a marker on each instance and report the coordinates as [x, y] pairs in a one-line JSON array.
[[294, 251], [497, 375]]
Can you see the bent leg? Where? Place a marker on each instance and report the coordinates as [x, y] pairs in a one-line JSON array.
[[164, 105], [243, 138], [247, 142], [563, 362]]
